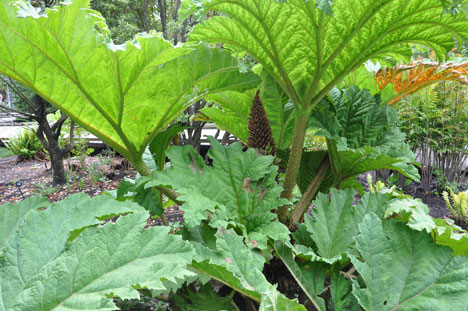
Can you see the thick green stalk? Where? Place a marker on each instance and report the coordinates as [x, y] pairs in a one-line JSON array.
[[312, 189], [294, 163], [143, 169]]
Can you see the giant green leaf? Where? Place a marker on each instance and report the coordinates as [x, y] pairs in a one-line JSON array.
[[204, 299], [234, 264], [308, 51], [335, 220], [280, 111], [122, 94], [12, 216], [223, 275], [341, 296], [272, 300], [240, 267], [311, 162], [109, 261], [240, 260], [240, 187], [310, 276], [404, 270], [42, 235], [233, 112], [444, 232], [358, 118], [362, 135], [161, 142]]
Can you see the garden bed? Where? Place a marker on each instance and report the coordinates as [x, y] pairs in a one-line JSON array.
[[36, 180]]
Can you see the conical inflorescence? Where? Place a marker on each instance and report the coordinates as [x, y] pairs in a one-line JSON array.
[[260, 133]]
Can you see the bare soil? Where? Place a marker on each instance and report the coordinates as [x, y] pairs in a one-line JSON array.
[[21, 179]]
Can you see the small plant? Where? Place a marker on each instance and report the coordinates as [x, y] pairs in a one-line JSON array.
[[443, 183], [81, 184], [44, 189], [457, 203], [96, 175], [374, 188], [107, 157], [26, 145], [71, 179], [382, 188], [81, 151]]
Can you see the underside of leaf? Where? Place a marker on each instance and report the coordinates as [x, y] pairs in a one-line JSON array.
[[123, 94]]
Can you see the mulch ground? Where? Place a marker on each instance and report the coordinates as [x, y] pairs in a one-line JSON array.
[[99, 176], [22, 179]]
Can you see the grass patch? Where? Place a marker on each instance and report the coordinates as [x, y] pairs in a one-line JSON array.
[[4, 152]]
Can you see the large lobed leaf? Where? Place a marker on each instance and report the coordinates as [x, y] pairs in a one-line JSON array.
[[240, 266], [335, 222], [233, 112], [404, 270], [309, 276], [341, 297], [444, 232], [122, 94], [105, 262], [308, 51], [272, 300], [240, 188], [41, 236], [12, 216], [361, 136], [204, 299]]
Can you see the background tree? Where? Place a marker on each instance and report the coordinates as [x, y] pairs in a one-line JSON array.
[[173, 18], [48, 134]]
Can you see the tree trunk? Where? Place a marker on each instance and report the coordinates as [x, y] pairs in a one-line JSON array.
[[144, 16], [382, 175], [175, 6], [49, 137], [163, 16], [56, 162]]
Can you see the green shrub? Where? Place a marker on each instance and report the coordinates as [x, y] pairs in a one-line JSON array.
[[435, 123], [25, 145]]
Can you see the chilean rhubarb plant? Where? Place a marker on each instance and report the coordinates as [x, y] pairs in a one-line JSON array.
[[308, 47], [383, 253]]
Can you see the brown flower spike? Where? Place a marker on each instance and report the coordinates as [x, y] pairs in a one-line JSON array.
[[260, 133]]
